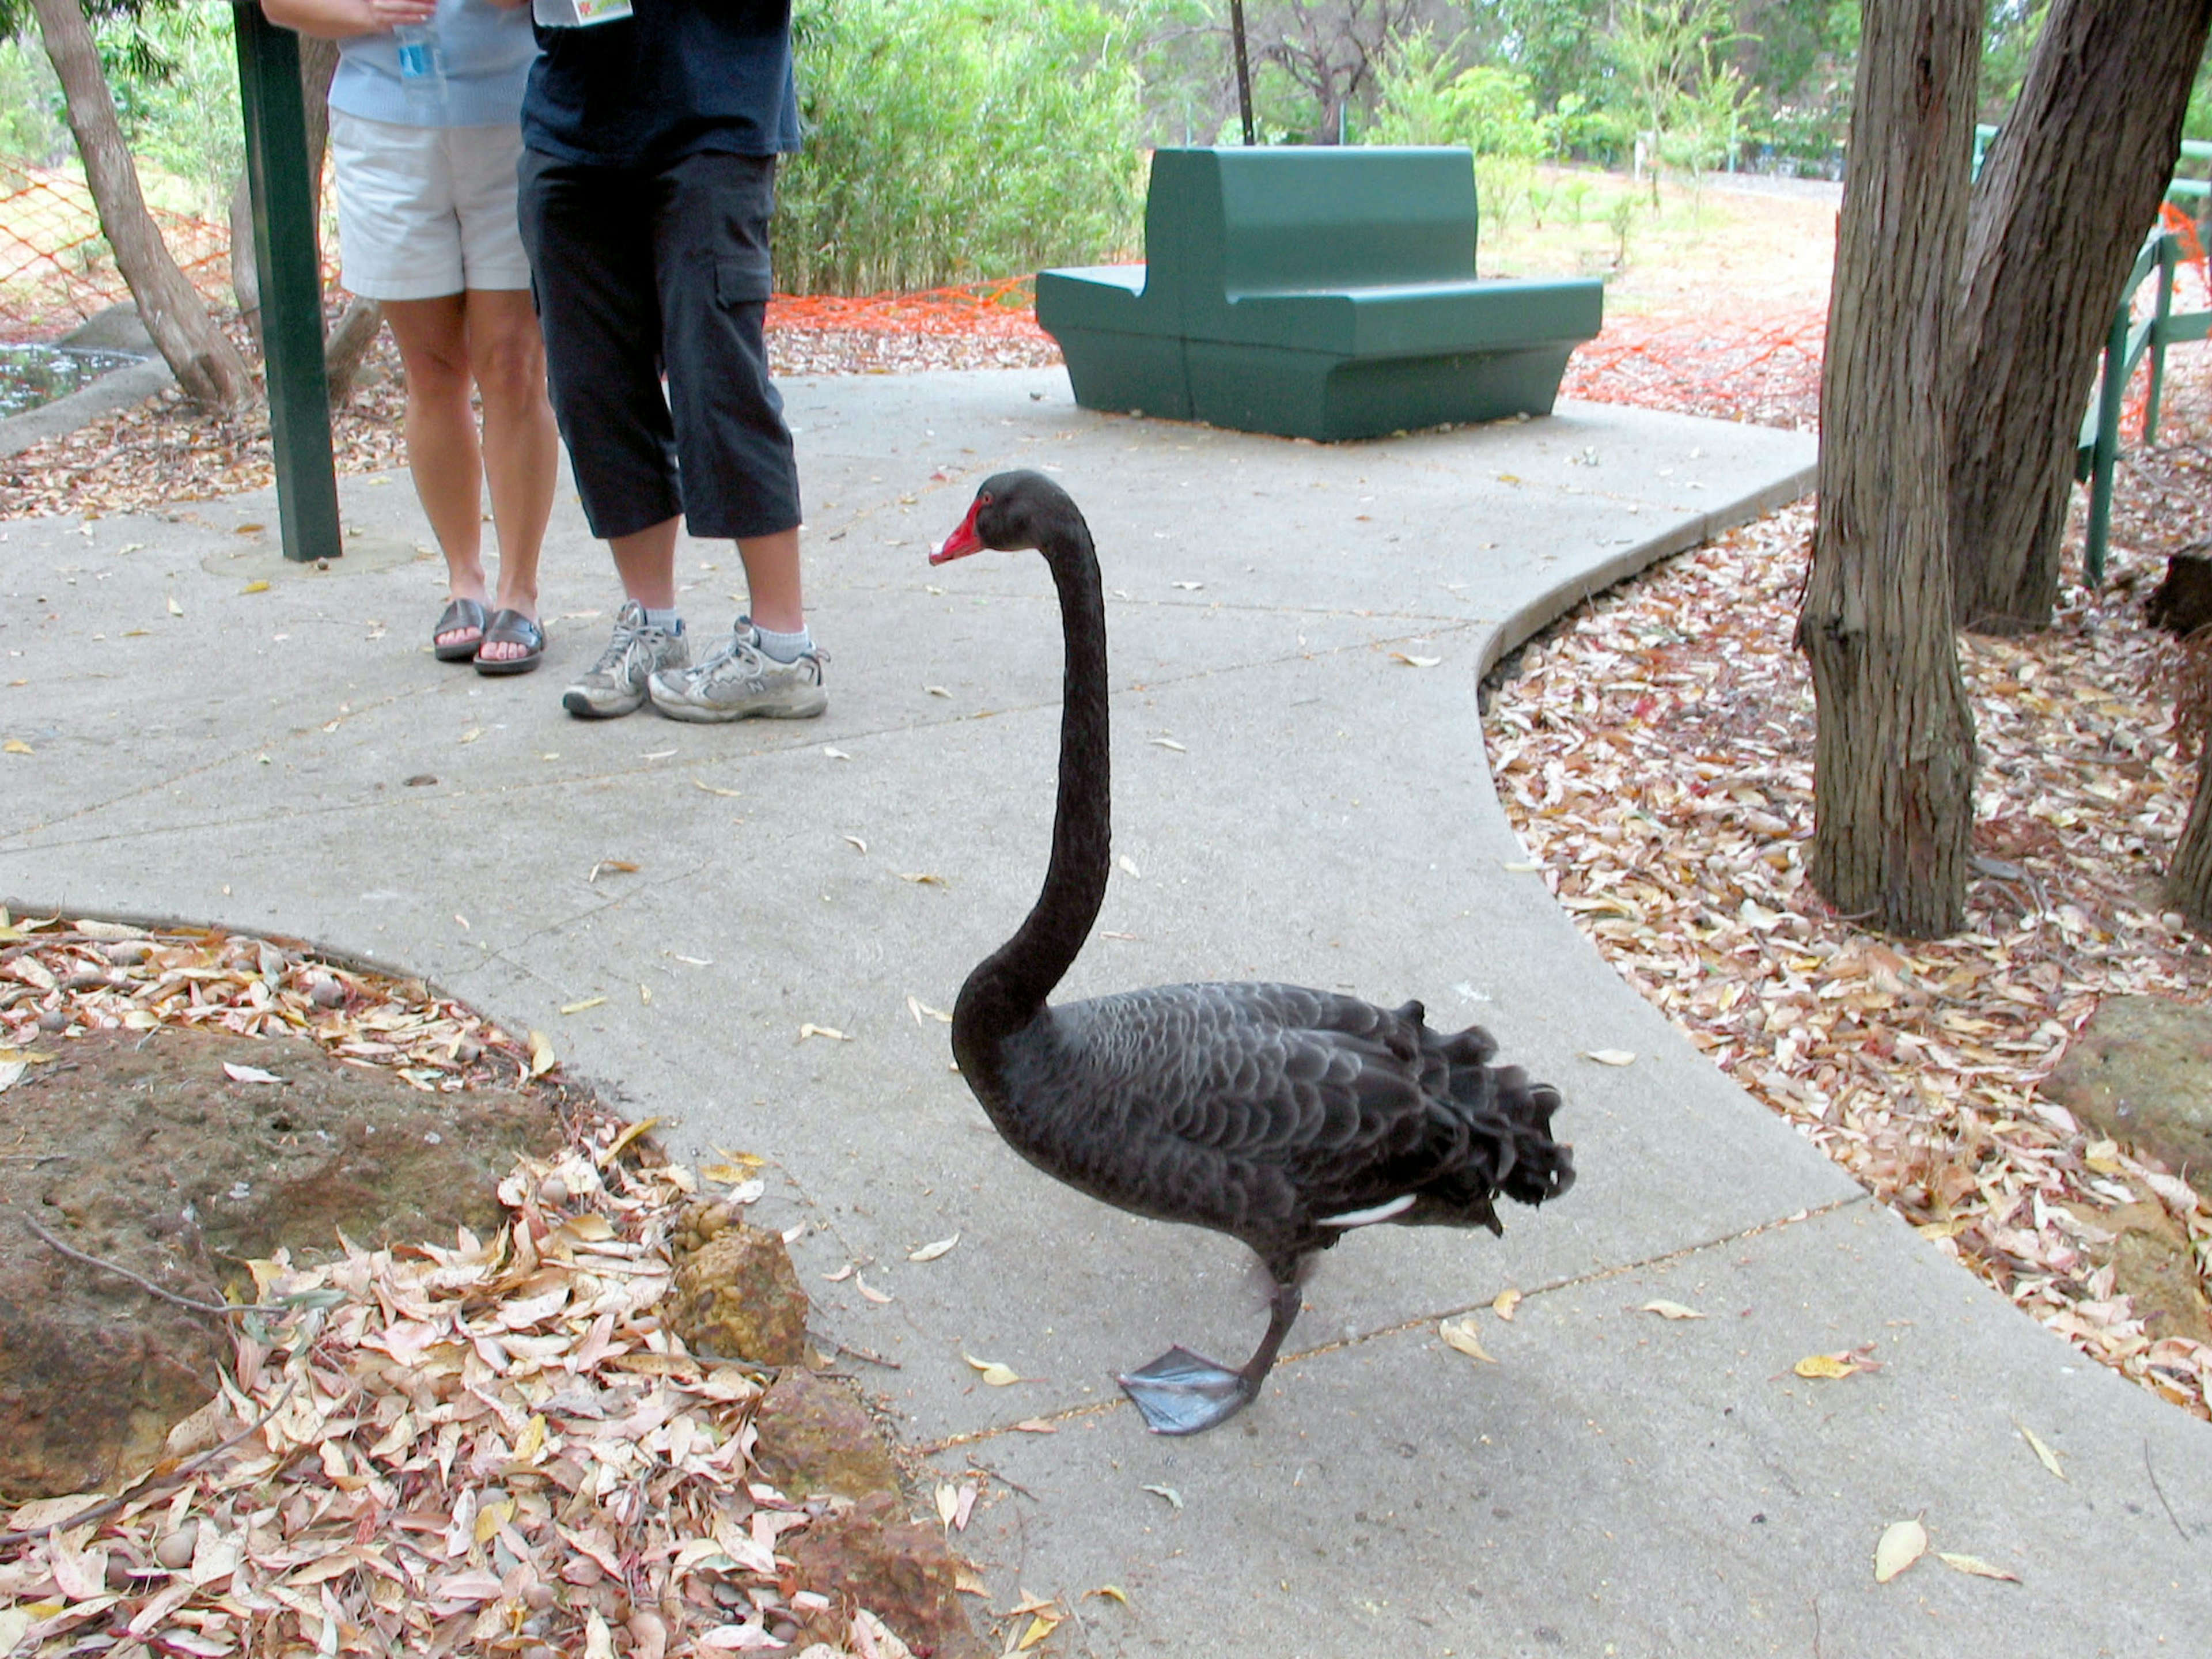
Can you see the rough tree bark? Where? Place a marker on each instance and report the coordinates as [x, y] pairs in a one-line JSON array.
[[1893, 756], [2189, 875], [2188, 878], [2067, 193], [207, 366]]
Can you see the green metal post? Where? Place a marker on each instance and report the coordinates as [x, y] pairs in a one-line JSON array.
[[291, 287], [2169, 255], [2106, 451]]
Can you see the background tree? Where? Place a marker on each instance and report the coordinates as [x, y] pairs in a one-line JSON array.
[[207, 366], [1329, 49], [2067, 193], [1893, 754]]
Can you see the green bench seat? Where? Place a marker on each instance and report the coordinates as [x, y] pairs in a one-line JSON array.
[[1313, 293]]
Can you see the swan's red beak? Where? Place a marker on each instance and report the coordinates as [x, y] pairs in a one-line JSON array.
[[963, 541]]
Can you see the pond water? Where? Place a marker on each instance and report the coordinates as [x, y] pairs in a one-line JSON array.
[[34, 375]]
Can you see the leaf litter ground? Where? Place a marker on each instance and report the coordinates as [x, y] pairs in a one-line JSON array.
[[1654, 753], [492, 1445]]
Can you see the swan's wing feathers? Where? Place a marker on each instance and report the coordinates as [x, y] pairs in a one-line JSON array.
[[1274, 1074]]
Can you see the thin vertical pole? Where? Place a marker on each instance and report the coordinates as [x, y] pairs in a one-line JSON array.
[[2104, 455], [291, 287], [2169, 253], [1244, 69]]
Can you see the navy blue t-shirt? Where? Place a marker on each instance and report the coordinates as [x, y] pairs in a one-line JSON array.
[[677, 77]]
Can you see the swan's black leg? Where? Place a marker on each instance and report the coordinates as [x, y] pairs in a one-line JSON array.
[[1184, 1393]]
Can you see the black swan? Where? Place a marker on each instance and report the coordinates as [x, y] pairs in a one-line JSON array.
[[1281, 1116]]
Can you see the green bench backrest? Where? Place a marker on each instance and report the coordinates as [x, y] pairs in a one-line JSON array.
[[1221, 222]]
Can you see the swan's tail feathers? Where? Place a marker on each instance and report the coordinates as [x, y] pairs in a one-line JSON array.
[[1542, 1168], [1509, 1147]]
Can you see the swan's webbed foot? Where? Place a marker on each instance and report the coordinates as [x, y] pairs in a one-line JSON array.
[[1184, 1393]]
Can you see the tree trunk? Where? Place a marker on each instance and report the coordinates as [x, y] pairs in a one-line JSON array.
[[207, 366], [350, 337], [1894, 756], [2066, 194], [2188, 878]]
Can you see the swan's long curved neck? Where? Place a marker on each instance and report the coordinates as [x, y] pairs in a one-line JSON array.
[[1008, 988]]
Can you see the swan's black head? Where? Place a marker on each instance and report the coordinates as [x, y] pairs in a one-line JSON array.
[[1013, 511]]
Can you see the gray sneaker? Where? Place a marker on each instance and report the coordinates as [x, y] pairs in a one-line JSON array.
[[739, 681], [614, 685]]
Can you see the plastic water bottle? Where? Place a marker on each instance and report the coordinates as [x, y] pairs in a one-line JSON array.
[[421, 71]]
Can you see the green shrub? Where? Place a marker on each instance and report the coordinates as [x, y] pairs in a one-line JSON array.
[[952, 140]]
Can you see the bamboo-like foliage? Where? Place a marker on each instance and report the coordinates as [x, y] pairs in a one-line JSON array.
[[950, 140]]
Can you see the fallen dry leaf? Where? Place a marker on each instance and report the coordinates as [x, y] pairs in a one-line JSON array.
[[931, 1252], [579, 1007], [1975, 1566], [1612, 1056], [1849, 1362], [1173, 1497], [1459, 1334], [1666, 1310], [811, 1029], [1412, 661], [2044, 1454], [16, 746], [994, 1374], [1903, 1542], [238, 1073], [1505, 1303]]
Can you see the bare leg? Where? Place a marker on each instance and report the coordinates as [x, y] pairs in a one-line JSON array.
[[1184, 1393], [772, 584], [645, 561], [442, 452], [506, 360]]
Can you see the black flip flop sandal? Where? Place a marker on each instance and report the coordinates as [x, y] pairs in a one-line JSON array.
[[458, 614], [512, 628]]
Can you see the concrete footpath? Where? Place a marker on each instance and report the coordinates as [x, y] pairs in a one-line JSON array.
[[1293, 800]]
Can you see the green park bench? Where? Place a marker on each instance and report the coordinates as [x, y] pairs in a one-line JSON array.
[[1313, 293]]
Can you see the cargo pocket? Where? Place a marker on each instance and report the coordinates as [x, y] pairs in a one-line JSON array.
[[742, 279]]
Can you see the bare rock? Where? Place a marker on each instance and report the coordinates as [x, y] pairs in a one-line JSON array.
[[2140, 1073], [901, 1571], [736, 1294], [815, 1438], [2154, 1265], [145, 1152]]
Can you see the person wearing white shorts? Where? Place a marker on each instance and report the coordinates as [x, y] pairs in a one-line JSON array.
[[427, 224]]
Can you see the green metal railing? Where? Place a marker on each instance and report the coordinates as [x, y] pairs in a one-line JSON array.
[[2126, 344]]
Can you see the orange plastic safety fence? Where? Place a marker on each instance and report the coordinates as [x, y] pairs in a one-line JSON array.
[[1004, 307], [55, 266]]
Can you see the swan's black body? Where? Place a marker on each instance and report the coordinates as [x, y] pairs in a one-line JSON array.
[[1279, 1116]]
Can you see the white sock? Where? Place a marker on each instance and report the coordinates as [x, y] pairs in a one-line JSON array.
[[785, 648], [669, 621]]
